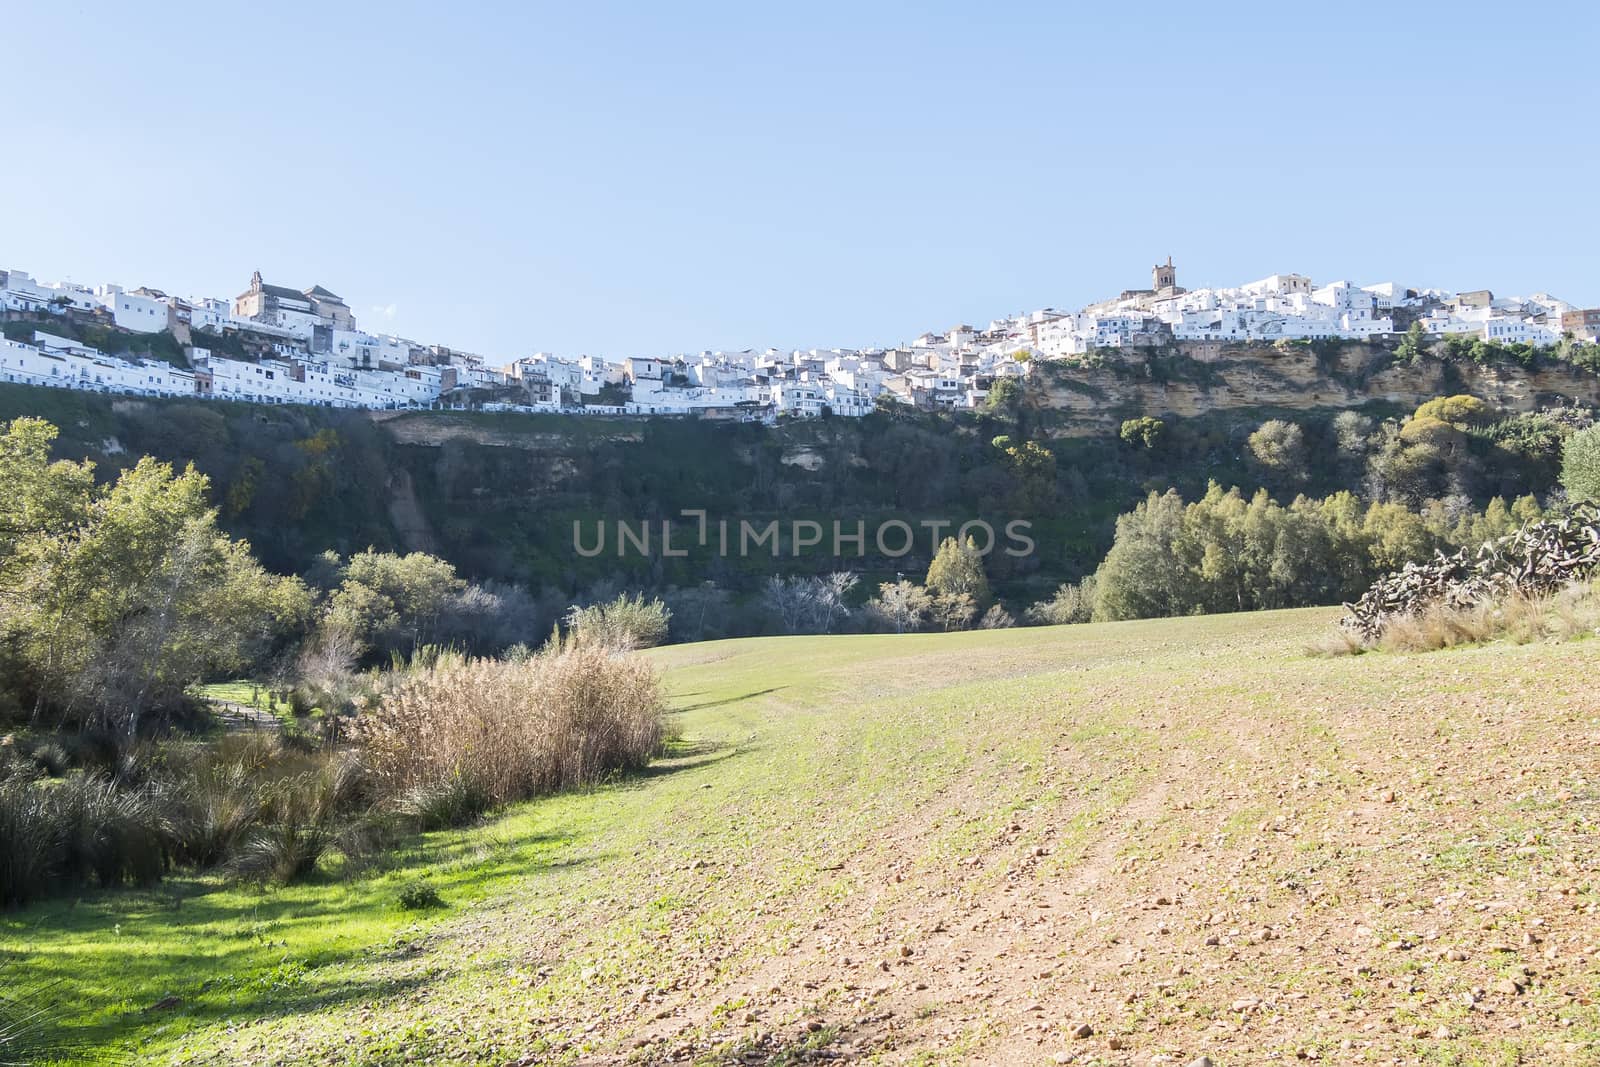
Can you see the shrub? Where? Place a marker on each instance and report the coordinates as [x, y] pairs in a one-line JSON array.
[[301, 819], [622, 625], [1071, 603], [283, 852], [419, 895], [996, 618], [492, 732], [51, 757]]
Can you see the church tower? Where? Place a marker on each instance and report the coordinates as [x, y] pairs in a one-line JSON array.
[[1164, 276]]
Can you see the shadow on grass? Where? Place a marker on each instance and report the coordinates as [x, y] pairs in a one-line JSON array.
[[728, 700], [268, 997]]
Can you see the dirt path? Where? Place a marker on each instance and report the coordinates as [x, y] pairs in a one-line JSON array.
[[235, 716]]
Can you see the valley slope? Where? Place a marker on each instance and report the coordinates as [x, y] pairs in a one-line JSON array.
[[1176, 838]]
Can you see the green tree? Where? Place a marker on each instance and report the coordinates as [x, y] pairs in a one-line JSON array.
[[393, 603], [1144, 431], [1461, 411], [1005, 398], [1413, 344], [119, 597], [1280, 447], [957, 570], [1580, 465]]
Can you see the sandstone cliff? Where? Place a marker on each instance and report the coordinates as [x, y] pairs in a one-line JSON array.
[[1200, 378]]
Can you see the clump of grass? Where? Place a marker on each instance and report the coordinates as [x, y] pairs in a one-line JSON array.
[[27, 1022], [51, 757], [301, 816], [56, 835], [30, 838], [474, 734], [453, 801], [118, 835]]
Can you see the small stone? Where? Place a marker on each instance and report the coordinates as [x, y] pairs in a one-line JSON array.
[[1455, 955], [1507, 986], [813, 1025], [1203, 1061], [1081, 1031], [1115, 1044]]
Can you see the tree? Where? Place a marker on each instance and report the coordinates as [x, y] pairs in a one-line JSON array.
[[955, 611], [789, 599], [1580, 465], [119, 597], [393, 603], [1139, 578], [957, 570], [1280, 447], [1005, 398], [1413, 344], [1144, 431], [1461, 411], [900, 605], [831, 598], [1352, 432]]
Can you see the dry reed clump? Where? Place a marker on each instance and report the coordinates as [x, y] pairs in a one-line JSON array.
[[1565, 615], [468, 735]]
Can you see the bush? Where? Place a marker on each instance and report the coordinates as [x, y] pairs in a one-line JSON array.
[[219, 804], [996, 618], [419, 895], [301, 819], [117, 835], [622, 625], [1071, 603], [488, 732]]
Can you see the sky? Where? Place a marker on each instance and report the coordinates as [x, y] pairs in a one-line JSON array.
[[634, 179]]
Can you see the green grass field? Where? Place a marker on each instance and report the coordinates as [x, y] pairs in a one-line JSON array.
[[1185, 837]]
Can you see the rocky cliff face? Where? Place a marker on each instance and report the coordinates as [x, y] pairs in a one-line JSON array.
[[1201, 378]]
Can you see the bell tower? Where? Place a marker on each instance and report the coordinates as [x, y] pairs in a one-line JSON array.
[[1163, 276]]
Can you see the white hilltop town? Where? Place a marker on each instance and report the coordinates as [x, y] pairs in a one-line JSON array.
[[277, 345]]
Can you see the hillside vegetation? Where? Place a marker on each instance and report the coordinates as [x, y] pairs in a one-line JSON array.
[[1093, 844], [497, 495]]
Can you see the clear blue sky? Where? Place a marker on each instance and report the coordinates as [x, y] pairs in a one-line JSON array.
[[647, 178]]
